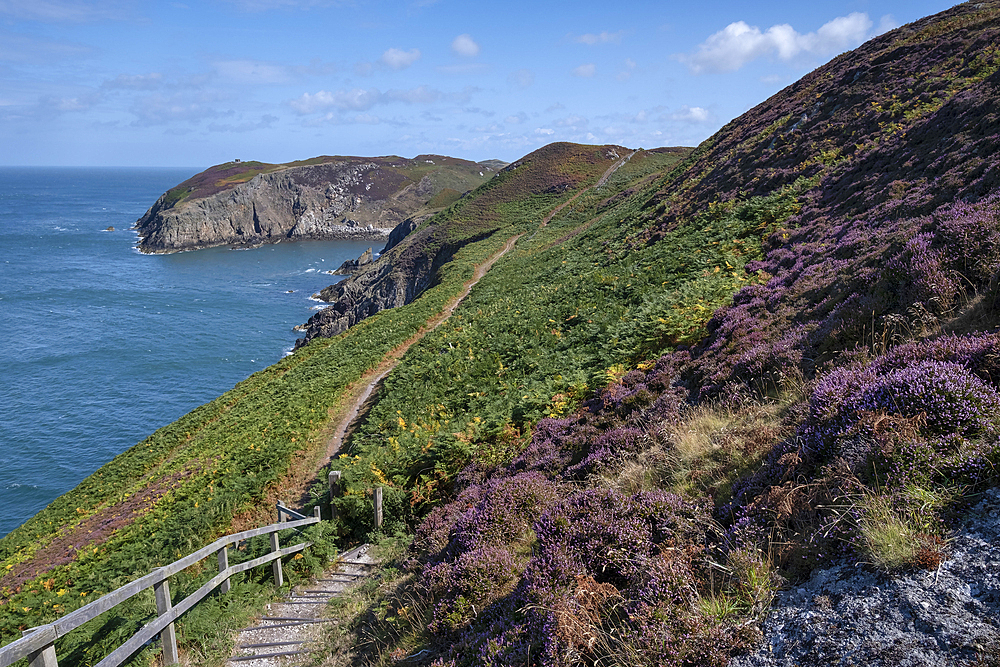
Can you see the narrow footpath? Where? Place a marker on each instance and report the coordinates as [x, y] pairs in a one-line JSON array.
[[286, 635]]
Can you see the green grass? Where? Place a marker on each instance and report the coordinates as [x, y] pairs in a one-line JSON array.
[[181, 487]]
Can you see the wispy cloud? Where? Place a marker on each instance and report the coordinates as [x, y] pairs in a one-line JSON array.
[[522, 78], [601, 38], [398, 59], [160, 109], [361, 99], [266, 5], [265, 122], [626, 73], [17, 48], [585, 71], [739, 43], [150, 81], [67, 11], [465, 46], [253, 71]]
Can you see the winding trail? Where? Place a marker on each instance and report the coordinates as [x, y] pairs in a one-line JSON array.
[[360, 393], [290, 626]]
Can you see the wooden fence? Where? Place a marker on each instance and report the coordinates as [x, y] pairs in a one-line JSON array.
[[38, 644]]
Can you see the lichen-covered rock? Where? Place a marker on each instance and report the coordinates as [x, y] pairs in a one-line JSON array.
[[851, 615]]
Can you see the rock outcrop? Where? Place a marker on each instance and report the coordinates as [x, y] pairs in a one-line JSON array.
[[395, 279], [849, 615], [352, 266], [246, 204]]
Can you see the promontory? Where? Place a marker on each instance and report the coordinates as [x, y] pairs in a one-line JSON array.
[[247, 203]]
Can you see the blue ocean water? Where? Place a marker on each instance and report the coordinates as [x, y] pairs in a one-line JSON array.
[[101, 345]]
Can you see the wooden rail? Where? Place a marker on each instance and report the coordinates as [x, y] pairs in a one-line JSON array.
[[38, 644]]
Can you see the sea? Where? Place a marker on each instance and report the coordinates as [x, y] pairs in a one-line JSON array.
[[101, 345]]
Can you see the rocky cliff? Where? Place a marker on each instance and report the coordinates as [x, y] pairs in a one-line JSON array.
[[415, 251], [250, 203]]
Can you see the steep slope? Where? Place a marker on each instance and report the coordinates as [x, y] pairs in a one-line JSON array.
[[221, 467], [842, 410], [409, 267], [692, 384], [248, 203]]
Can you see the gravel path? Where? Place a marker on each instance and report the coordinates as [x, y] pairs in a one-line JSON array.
[[286, 634]]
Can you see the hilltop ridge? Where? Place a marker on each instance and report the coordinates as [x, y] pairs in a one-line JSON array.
[[250, 203]]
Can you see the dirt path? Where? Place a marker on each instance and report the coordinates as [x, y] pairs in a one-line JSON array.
[[361, 391]]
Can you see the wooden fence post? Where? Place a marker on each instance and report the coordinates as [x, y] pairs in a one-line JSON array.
[[45, 657], [279, 575], [334, 483], [223, 566], [167, 636], [377, 501], [318, 513]]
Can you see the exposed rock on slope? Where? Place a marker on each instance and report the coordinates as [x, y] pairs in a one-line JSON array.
[[249, 203], [410, 260], [846, 615]]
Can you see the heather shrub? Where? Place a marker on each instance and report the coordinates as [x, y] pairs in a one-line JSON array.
[[468, 584], [949, 399]]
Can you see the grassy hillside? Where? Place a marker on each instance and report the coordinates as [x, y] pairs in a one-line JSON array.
[[712, 374], [842, 404], [221, 467]]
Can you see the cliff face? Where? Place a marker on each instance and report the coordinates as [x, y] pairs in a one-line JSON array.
[[397, 278], [334, 198], [410, 260]]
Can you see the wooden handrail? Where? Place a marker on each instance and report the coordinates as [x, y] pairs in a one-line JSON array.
[[37, 644]]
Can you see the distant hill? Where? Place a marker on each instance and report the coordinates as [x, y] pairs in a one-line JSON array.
[[249, 203]]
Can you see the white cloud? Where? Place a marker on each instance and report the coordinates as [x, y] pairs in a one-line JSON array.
[[360, 99], [601, 38], [135, 81], [522, 78], [585, 71], [692, 115], [516, 119], [464, 45], [357, 99], [739, 43], [885, 24], [545, 131], [399, 59], [252, 71]]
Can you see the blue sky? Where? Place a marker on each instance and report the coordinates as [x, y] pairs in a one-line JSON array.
[[130, 83]]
